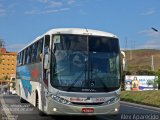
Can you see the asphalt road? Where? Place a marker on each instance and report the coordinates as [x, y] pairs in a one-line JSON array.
[[12, 109]]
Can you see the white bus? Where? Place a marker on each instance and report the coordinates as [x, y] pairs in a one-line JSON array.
[[71, 71]]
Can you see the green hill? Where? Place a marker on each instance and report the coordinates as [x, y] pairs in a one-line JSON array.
[[142, 59]]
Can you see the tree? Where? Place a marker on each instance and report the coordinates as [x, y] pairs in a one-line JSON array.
[[145, 72], [2, 43], [0, 57], [124, 73], [158, 80], [6, 77], [155, 83]]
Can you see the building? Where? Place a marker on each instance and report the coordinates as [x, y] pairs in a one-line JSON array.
[[7, 64]]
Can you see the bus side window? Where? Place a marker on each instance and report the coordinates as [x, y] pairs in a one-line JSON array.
[[47, 43], [39, 52], [29, 54], [27, 57], [34, 53], [18, 59], [25, 61], [24, 57]]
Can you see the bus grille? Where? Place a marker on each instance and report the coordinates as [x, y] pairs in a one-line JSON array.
[[77, 103]]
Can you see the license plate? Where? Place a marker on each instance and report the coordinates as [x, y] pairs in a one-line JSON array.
[[87, 110]]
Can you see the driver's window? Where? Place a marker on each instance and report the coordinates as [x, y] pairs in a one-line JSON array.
[[45, 55]]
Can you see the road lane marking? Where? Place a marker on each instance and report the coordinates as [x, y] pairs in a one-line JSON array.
[[6, 111], [141, 108]]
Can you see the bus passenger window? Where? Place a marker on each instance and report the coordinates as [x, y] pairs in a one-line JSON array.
[[39, 52], [34, 52], [29, 55], [21, 58], [24, 57]]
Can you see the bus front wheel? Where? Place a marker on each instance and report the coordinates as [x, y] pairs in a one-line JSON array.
[[20, 95], [41, 113]]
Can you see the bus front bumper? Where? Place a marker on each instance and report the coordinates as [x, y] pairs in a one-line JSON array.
[[56, 108]]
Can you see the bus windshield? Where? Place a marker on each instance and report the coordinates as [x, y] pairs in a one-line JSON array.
[[85, 63]]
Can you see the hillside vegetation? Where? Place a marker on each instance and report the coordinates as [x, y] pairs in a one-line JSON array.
[[150, 97], [142, 59]]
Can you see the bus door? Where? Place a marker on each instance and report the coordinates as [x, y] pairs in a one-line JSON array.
[[46, 60]]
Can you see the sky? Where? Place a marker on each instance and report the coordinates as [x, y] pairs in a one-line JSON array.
[[21, 21]]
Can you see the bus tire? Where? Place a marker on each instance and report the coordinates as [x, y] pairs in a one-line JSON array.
[[41, 113], [21, 99]]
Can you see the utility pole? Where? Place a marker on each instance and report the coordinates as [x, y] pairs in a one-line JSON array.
[[126, 43], [152, 63], [131, 50], [126, 60]]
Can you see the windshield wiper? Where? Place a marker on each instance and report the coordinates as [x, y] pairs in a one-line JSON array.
[[75, 81], [104, 85], [99, 79], [79, 76]]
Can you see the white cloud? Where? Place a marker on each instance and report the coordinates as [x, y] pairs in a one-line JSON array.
[[43, 1], [152, 44], [82, 12], [1, 5], [36, 11], [153, 40], [33, 11], [12, 6], [150, 33], [71, 2], [2, 10], [7, 9], [15, 47], [54, 11], [149, 12], [55, 4], [51, 6], [51, 3]]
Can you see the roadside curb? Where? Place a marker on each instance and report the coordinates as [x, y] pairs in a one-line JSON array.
[[140, 105]]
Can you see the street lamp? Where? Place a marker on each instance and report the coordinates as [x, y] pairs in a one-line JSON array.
[[152, 62], [154, 29]]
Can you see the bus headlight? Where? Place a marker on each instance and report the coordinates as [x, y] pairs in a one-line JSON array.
[[59, 99], [112, 100]]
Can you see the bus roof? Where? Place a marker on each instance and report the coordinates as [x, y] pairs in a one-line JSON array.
[[80, 31], [77, 31]]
